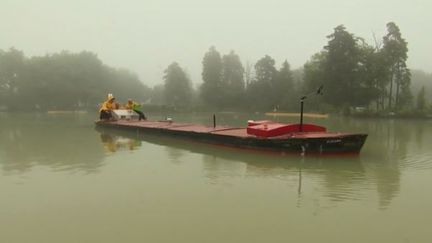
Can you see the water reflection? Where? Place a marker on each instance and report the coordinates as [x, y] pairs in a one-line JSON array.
[[71, 143], [60, 142], [174, 154], [392, 147], [339, 178], [114, 143]]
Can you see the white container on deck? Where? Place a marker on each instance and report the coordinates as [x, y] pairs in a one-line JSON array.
[[125, 115]]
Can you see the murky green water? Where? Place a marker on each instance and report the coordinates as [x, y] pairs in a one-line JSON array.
[[63, 181]]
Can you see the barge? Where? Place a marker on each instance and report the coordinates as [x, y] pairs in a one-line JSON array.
[[258, 135]]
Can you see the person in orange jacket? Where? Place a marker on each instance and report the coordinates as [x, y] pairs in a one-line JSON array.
[[106, 108]]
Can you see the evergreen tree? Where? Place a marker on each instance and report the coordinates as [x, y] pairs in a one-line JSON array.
[[340, 68], [211, 88], [380, 75], [396, 49], [178, 89], [232, 80], [284, 92], [260, 91], [421, 99], [265, 71]]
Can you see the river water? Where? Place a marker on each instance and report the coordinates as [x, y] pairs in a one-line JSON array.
[[61, 180]]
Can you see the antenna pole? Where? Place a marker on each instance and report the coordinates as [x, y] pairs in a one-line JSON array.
[[301, 114]]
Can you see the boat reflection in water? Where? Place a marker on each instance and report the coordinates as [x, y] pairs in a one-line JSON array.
[[114, 143], [339, 178]]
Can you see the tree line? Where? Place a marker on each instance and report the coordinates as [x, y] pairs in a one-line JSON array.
[[353, 73], [358, 74], [228, 85], [62, 81]]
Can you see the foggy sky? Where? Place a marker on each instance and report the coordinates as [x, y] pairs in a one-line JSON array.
[[146, 36]]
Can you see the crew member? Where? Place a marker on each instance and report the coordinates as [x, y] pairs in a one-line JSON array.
[[106, 108], [131, 105]]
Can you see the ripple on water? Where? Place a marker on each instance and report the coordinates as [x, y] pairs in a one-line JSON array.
[[421, 160]]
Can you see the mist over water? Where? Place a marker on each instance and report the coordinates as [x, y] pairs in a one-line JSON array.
[[146, 36], [62, 180]]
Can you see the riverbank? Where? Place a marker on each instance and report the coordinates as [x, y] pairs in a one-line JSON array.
[[392, 115]]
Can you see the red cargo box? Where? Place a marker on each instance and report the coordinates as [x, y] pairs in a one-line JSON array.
[[277, 129]]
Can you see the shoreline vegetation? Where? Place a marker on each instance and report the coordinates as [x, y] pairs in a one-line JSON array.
[[295, 114], [359, 80], [353, 113], [363, 115], [406, 115]]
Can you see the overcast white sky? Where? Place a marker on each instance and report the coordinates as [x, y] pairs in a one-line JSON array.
[[146, 36]]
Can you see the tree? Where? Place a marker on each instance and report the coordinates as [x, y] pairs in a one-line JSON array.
[[260, 91], [340, 68], [353, 72], [314, 72], [212, 78], [265, 71], [12, 66], [372, 81], [178, 89], [284, 91], [248, 74], [396, 49], [63, 81], [421, 99], [232, 80], [380, 76]]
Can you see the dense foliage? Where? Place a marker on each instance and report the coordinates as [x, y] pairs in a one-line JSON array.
[[62, 81], [211, 88], [178, 89], [271, 89], [354, 74]]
